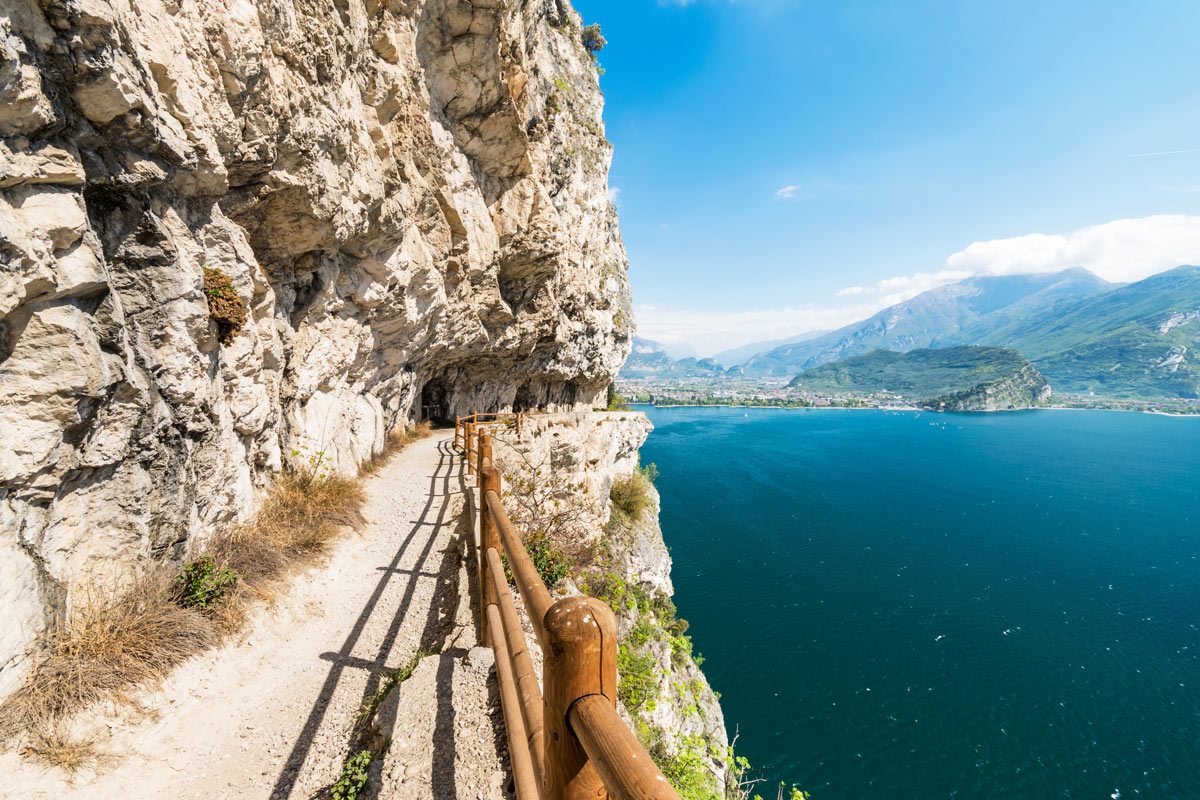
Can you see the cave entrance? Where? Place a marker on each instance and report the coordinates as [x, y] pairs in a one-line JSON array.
[[525, 399], [435, 401]]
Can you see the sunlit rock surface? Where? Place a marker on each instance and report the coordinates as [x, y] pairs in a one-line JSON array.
[[411, 197]]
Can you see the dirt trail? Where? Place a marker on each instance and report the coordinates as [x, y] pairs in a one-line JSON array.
[[269, 714]]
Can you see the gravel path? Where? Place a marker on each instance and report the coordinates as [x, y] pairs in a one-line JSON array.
[[270, 715]]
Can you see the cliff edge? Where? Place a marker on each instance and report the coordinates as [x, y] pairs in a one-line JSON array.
[[589, 515]]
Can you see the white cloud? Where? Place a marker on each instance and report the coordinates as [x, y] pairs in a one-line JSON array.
[[905, 286], [614, 195], [1121, 250], [1160, 153], [787, 191]]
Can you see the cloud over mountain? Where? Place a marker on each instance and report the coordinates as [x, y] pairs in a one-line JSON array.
[[1122, 250]]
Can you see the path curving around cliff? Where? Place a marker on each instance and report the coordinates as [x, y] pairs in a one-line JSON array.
[[270, 714]]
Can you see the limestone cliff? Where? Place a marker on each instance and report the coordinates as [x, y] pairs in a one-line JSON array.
[[409, 197], [1024, 388]]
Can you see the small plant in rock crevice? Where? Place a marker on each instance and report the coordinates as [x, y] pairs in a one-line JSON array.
[[548, 559], [630, 496], [390, 681], [354, 777], [552, 513], [224, 306], [202, 585]]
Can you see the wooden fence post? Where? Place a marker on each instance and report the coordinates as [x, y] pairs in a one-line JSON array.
[[489, 536], [483, 451], [457, 427], [580, 659], [468, 436]]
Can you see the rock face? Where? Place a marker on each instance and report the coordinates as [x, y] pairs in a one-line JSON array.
[[1023, 389], [409, 196]]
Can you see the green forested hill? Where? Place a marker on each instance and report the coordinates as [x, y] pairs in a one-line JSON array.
[[964, 377]]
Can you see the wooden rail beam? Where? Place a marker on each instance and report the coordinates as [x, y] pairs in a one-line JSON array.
[[469, 436], [624, 766], [518, 747], [579, 658], [533, 591], [526, 678]]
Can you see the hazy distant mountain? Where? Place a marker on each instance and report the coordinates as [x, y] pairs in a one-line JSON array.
[[649, 359], [938, 318], [1139, 340], [952, 378], [735, 356]]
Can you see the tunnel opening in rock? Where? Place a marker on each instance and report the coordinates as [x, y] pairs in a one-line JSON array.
[[525, 399], [435, 401]]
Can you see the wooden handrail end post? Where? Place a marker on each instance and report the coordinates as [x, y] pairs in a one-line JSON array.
[[483, 452], [489, 536], [468, 436], [580, 659]]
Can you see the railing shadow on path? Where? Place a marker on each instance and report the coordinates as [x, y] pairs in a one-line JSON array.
[[344, 658]]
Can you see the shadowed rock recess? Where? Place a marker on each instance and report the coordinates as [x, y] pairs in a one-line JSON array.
[[410, 198]]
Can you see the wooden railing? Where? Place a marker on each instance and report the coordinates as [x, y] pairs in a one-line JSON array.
[[565, 738], [466, 430]]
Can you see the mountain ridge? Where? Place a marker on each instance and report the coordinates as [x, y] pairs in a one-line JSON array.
[[935, 318]]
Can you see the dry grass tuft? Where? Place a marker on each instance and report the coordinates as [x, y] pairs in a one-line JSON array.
[[297, 522], [105, 647], [58, 748], [395, 443]]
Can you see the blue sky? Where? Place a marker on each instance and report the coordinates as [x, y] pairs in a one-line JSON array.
[[776, 160]]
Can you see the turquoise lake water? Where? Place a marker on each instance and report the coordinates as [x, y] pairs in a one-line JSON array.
[[944, 606]]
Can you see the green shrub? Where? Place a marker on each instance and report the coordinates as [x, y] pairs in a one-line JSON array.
[[636, 681], [687, 771], [609, 587], [354, 777], [615, 401], [202, 585], [593, 40], [630, 495], [548, 558]]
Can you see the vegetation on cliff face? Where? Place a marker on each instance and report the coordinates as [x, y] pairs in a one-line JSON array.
[[659, 680], [225, 308]]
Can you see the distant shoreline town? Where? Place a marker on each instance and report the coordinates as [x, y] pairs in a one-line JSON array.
[[746, 394]]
